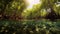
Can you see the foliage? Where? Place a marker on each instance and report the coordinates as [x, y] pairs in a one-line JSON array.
[[19, 8], [16, 18], [29, 27]]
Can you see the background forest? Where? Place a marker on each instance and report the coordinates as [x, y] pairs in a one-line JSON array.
[[30, 16]]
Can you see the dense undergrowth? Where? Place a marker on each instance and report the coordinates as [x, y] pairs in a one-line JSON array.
[[29, 27]]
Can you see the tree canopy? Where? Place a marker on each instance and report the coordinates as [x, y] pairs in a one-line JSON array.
[[18, 9]]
